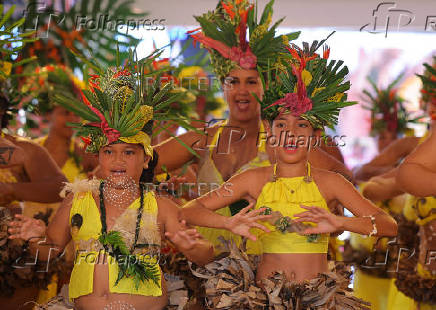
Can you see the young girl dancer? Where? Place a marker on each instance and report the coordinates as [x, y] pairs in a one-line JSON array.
[[294, 194]]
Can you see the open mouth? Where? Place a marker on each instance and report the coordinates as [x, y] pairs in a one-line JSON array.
[[243, 104], [291, 148], [118, 172]]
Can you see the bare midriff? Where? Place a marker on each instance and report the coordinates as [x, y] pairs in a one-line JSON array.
[[101, 298], [296, 266]]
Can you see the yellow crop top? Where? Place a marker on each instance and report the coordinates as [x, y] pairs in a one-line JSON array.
[[286, 195], [87, 246]]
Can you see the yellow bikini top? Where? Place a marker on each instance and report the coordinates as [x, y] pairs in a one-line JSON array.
[[84, 213], [70, 169], [286, 195]]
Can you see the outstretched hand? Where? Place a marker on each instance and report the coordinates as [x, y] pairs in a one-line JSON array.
[[326, 221], [26, 228], [241, 223], [185, 239]]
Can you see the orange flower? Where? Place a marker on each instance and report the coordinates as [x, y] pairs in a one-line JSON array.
[[229, 9], [326, 52]]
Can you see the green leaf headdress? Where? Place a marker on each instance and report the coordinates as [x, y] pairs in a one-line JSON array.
[[429, 82], [312, 88], [224, 32], [121, 104], [387, 108]]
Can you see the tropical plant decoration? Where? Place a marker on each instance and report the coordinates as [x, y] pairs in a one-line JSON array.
[[224, 32], [121, 105], [80, 30], [42, 84], [312, 87], [12, 41], [429, 82], [387, 109], [140, 272], [194, 75]]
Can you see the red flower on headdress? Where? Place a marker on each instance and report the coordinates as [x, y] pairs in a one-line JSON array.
[[301, 57], [124, 72], [86, 140], [111, 134], [229, 9], [93, 83], [242, 54], [326, 52], [295, 103]]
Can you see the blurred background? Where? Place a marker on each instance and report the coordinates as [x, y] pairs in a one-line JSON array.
[[376, 39]]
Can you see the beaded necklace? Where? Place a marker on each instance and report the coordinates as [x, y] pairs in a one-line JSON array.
[[138, 217]]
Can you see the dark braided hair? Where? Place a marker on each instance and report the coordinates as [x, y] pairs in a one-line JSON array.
[[147, 175]]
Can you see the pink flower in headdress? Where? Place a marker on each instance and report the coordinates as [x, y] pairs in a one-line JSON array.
[[235, 54], [296, 103], [248, 60], [242, 54]]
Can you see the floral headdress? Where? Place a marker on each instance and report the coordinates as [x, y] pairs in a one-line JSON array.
[[121, 104], [46, 80], [429, 82], [312, 88], [387, 109], [224, 33]]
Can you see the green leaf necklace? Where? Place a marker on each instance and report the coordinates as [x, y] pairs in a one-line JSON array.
[[129, 265]]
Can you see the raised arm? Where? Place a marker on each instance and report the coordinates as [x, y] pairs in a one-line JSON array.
[[173, 155], [417, 174], [45, 178], [368, 218], [200, 211], [387, 159]]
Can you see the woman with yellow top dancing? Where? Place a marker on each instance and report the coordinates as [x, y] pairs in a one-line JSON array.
[[294, 196], [238, 143], [116, 224]]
